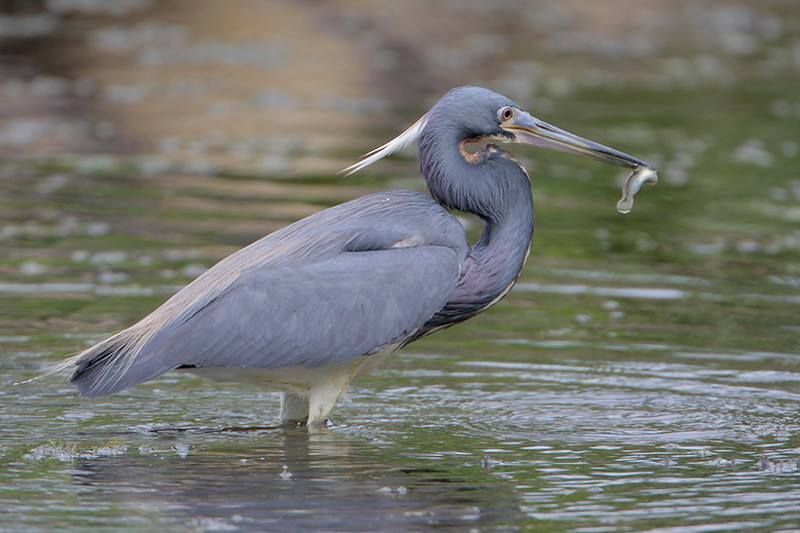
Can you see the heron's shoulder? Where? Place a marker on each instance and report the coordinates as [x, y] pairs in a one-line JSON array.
[[411, 216], [398, 208], [398, 199]]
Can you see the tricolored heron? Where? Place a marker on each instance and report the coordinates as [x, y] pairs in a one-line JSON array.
[[308, 307]]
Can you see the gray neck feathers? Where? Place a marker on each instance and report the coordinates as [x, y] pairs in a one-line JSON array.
[[493, 187]]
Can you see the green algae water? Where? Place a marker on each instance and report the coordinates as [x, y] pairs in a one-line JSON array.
[[644, 374]]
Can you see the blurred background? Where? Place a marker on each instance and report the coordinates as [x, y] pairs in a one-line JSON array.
[[643, 373]]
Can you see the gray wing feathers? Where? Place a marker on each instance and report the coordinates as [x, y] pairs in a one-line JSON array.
[[324, 313], [328, 312]]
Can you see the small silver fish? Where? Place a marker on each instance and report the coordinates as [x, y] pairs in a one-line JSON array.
[[633, 183]]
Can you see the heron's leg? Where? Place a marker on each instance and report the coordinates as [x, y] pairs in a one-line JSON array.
[[294, 407], [321, 401], [324, 394]]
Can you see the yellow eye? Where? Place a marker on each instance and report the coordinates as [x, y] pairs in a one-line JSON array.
[[506, 113]]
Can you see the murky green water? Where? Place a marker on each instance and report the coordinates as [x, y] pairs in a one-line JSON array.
[[643, 374]]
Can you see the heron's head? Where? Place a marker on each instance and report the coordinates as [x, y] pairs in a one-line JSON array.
[[478, 114], [468, 114]]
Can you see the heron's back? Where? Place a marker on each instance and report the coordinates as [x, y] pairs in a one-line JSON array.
[[283, 301]]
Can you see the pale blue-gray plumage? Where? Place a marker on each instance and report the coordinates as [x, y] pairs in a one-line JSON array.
[[305, 307]]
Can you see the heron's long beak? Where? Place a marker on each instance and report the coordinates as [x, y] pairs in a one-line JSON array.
[[529, 130]]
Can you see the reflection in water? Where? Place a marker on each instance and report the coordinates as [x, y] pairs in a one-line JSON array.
[[643, 374], [288, 479]]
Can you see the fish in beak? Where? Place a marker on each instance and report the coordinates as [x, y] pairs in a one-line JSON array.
[[527, 129]]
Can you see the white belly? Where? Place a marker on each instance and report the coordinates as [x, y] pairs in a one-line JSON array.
[[314, 390], [295, 379]]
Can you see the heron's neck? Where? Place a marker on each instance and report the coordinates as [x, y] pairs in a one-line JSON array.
[[495, 188]]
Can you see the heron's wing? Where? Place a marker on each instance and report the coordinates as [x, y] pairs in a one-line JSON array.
[[325, 312], [353, 305]]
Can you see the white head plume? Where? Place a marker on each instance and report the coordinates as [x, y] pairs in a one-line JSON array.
[[399, 143]]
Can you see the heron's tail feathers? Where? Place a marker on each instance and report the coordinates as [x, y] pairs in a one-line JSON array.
[[63, 368], [105, 368], [101, 369]]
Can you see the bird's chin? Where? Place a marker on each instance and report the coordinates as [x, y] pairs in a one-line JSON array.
[[475, 150]]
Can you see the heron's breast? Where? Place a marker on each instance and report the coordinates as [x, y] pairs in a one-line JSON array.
[[510, 286]]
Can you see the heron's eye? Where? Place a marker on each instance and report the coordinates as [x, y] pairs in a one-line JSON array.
[[506, 113]]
